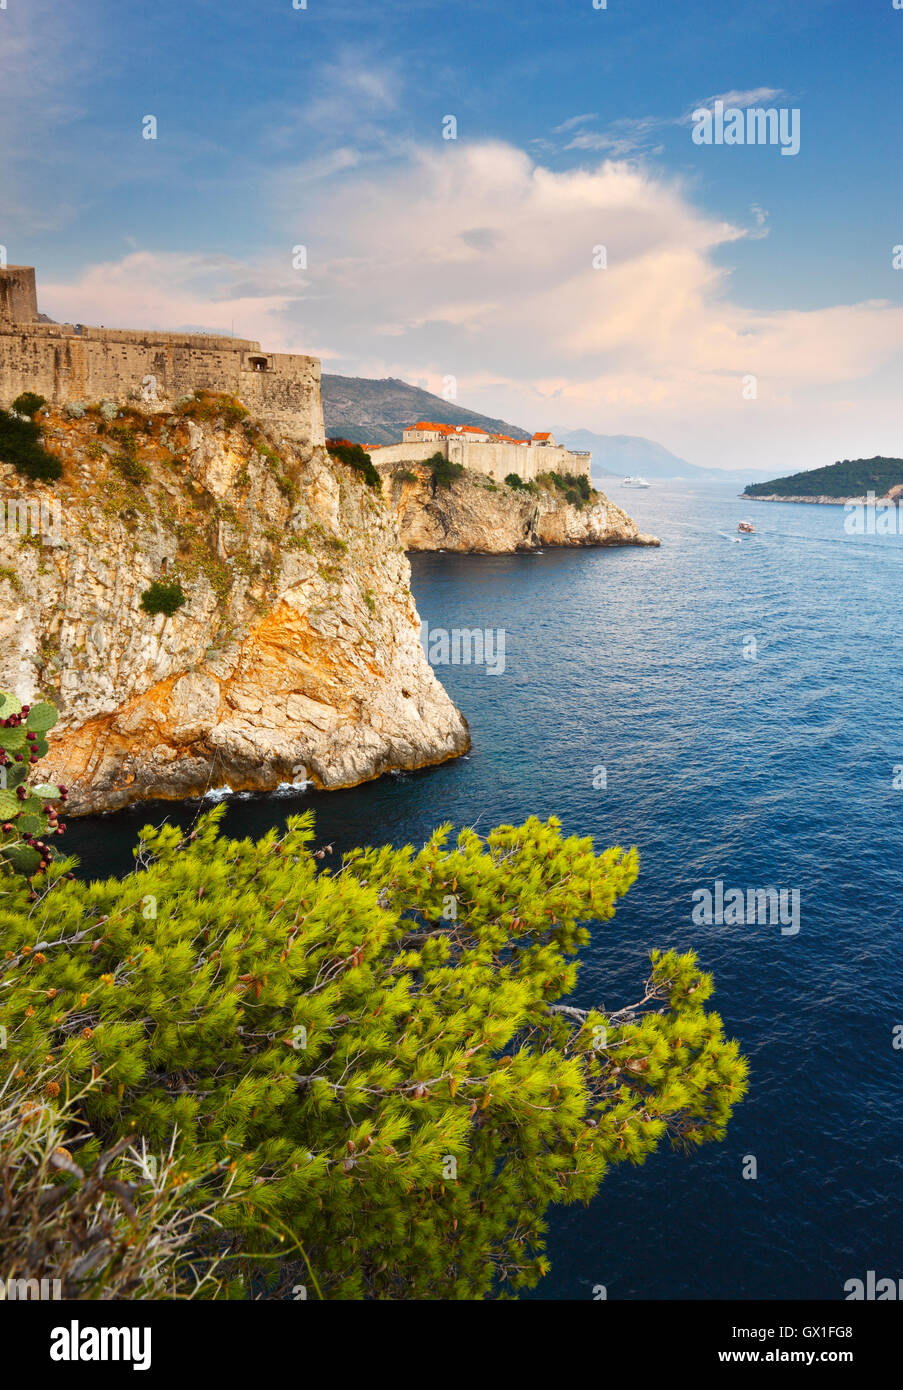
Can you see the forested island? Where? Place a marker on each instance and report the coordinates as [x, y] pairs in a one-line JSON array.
[[838, 482]]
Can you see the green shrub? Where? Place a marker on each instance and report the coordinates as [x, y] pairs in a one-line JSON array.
[[287, 486], [29, 403], [21, 445], [377, 1054], [517, 484], [353, 456], [577, 488], [163, 598], [443, 471], [131, 468]]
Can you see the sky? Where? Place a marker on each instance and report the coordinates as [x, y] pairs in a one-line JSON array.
[[745, 310]]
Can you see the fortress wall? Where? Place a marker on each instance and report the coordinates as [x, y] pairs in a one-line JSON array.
[[498, 460], [83, 368], [527, 461], [119, 365], [288, 393], [18, 294], [203, 341], [408, 453]]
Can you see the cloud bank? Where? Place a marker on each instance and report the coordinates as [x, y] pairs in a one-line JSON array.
[[476, 261]]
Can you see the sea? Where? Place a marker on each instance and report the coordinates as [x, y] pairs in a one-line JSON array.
[[732, 707]]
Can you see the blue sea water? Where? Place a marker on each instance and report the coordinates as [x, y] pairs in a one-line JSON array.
[[760, 765]]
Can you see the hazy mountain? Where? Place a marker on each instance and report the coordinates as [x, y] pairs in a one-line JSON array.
[[375, 411], [622, 454], [370, 410]]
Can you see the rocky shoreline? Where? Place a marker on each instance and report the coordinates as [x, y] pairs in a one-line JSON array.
[[478, 516], [832, 501], [893, 495]]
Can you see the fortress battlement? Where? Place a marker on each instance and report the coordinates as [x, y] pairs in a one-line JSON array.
[[498, 456], [75, 363]]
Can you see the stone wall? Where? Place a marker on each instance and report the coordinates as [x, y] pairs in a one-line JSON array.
[[66, 364], [18, 295], [496, 460]]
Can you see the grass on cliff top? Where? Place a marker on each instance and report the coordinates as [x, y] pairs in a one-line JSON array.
[[213, 405]]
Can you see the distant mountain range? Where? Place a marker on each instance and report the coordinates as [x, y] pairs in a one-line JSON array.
[[619, 454], [370, 410]]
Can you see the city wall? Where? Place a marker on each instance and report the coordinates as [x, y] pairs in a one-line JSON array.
[[68, 364], [496, 460]]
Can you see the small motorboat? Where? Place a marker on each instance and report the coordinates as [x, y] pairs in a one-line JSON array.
[[746, 527]]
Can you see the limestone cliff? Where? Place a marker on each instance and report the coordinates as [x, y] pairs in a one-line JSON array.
[[474, 513], [296, 653]]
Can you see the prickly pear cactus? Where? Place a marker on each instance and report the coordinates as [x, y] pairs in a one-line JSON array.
[[29, 814]]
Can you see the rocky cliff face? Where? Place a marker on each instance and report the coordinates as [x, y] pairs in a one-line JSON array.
[[476, 514], [296, 654]]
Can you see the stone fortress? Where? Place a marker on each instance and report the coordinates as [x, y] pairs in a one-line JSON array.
[[68, 364], [496, 455]]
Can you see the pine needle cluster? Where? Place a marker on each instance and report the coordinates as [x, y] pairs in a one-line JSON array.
[[375, 1054]]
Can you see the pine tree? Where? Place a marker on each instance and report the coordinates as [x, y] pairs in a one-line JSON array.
[[376, 1054]]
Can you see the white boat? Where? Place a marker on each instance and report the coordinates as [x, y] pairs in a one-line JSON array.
[[635, 482]]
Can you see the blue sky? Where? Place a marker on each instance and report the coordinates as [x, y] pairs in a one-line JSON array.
[[471, 259]]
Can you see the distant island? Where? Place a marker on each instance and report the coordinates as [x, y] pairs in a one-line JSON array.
[[847, 481]]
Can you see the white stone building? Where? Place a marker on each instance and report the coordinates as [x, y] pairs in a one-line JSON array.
[[495, 455]]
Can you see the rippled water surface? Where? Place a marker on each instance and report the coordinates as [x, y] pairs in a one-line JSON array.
[[776, 770]]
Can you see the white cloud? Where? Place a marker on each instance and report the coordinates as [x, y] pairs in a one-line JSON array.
[[475, 261], [572, 122], [621, 138], [754, 96]]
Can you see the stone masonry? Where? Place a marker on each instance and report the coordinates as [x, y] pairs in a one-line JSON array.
[[68, 364]]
